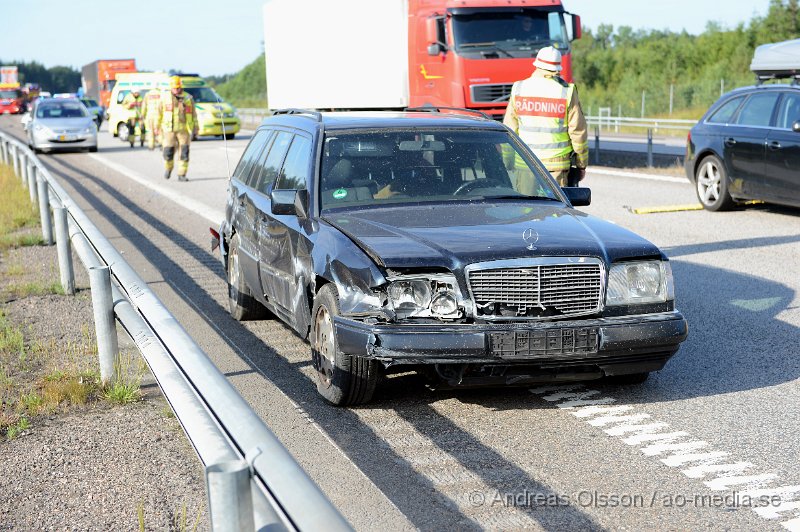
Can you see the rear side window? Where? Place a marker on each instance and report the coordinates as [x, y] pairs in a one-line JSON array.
[[757, 110], [726, 111], [788, 110], [270, 167], [243, 169], [294, 174]]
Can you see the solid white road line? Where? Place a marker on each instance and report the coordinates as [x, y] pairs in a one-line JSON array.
[[638, 175], [209, 213]]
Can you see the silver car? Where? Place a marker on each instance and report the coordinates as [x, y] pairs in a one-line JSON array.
[[61, 124]]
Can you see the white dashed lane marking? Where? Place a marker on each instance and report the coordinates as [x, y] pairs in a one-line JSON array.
[[696, 459]]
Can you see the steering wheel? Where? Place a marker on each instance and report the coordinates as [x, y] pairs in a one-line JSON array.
[[469, 186]]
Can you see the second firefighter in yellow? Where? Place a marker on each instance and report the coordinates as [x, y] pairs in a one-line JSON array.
[[545, 112], [151, 115], [178, 126]]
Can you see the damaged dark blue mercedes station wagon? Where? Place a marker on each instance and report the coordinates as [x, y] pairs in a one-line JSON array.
[[432, 241]]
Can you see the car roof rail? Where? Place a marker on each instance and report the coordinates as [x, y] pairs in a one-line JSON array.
[[439, 108], [316, 115]]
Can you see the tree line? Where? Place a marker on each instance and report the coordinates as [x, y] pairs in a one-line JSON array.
[[54, 79], [614, 67]]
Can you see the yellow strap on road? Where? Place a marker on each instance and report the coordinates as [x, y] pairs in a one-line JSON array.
[[679, 208], [667, 208]]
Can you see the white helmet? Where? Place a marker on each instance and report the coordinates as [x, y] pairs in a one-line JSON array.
[[548, 58]]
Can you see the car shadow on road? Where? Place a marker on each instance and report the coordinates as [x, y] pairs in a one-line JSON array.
[[742, 306], [415, 495]]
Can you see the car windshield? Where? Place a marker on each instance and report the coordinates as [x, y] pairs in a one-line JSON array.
[[505, 31], [361, 168], [203, 94], [89, 103], [7, 95], [64, 109]]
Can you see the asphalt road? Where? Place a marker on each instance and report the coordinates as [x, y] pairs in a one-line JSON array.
[[691, 448]]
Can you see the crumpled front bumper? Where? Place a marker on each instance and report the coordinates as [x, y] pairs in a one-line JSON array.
[[619, 345]]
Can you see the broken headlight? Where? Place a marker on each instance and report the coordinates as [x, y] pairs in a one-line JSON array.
[[641, 282], [435, 295]]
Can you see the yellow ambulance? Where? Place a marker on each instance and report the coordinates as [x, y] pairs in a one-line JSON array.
[[215, 116]]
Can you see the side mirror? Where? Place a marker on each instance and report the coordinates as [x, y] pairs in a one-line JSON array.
[[290, 202], [796, 127], [283, 201], [578, 196], [576, 27], [434, 49], [301, 203]]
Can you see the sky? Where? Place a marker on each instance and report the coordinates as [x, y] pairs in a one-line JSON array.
[[221, 37]]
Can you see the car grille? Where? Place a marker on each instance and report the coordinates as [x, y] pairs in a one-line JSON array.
[[539, 291], [490, 93]]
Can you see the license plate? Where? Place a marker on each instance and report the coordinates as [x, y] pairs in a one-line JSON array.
[[544, 342], [228, 129]]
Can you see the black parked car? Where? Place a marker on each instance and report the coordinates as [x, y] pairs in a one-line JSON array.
[[747, 147], [438, 243]]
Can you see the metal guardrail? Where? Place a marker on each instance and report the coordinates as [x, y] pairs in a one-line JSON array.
[[615, 122], [252, 481], [252, 117]]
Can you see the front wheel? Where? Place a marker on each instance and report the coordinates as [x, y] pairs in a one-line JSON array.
[[711, 185], [342, 379], [123, 132]]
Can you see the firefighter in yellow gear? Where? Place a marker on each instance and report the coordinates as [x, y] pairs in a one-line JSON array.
[[545, 112], [133, 102], [151, 116], [178, 126]]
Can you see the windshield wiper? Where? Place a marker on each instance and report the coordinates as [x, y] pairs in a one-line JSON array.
[[521, 196], [492, 45]]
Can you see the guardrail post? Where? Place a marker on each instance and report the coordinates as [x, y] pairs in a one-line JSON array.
[[31, 173], [596, 145], [104, 326], [649, 148], [64, 251], [44, 210], [3, 155], [14, 159], [32, 186], [23, 174], [230, 501]]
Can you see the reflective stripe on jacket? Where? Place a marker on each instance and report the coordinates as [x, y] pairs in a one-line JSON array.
[[546, 113], [541, 106], [179, 114]]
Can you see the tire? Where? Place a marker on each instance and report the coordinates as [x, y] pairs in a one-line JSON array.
[[241, 303], [711, 184], [633, 378], [93, 149], [342, 379], [123, 132], [229, 136]]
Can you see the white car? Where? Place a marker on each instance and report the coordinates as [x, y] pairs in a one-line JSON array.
[[61, 124]]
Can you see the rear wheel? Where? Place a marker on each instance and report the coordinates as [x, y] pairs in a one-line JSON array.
[[242, 305], [342, 379], [711, 185]]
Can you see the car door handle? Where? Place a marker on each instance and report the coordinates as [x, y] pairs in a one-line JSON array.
[[774, 145], [730, 141]]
